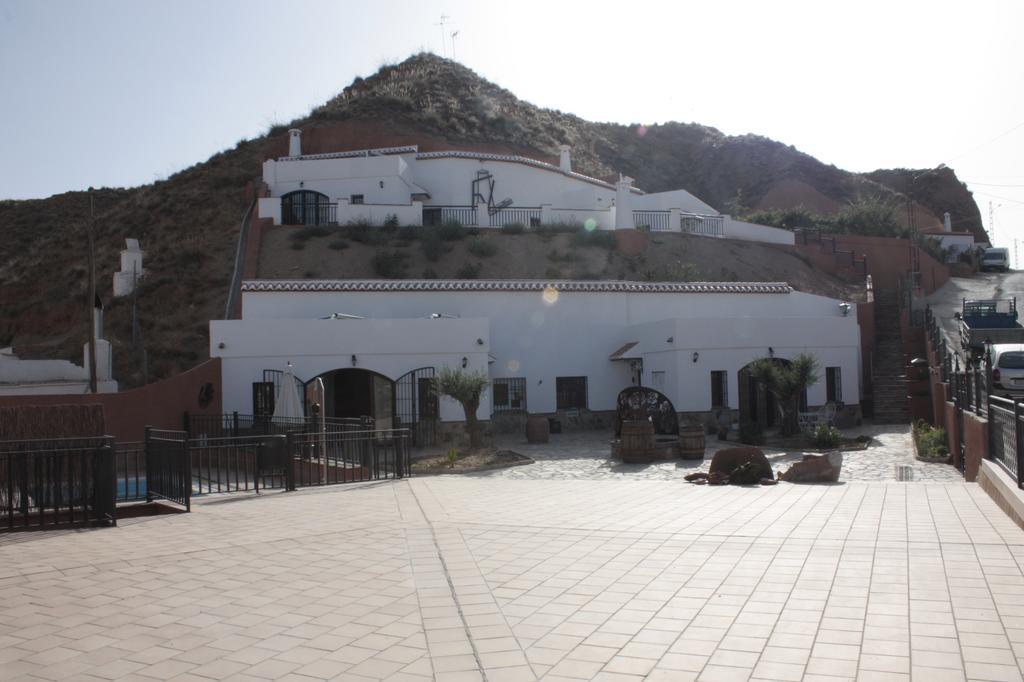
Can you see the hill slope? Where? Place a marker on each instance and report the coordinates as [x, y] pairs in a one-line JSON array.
[[188, 223]]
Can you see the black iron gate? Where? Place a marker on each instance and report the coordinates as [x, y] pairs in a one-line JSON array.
[[416, 405], [168, 467], [276, 377]]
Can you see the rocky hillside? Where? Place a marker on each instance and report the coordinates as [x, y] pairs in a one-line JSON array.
[[188, 223]]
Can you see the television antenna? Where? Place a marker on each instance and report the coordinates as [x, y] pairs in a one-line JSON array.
[[444, 18], [454, 34]]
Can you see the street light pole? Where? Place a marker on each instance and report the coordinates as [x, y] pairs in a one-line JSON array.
[[90, 232]]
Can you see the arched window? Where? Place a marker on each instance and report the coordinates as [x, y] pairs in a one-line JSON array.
[[306, 207]]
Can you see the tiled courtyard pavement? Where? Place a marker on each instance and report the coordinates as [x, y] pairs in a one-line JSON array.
[[455, 577]]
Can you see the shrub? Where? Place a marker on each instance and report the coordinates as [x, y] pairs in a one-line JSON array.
[[429, 274], [481, 248], [391, 220], [469, 271], [304, 233], [408, 233], [931, 442], [553, 273], [390, 264], [433, 247], [826, 436], [751, 433], [597, 238], [338, 244], [513, 228], [452, 231]]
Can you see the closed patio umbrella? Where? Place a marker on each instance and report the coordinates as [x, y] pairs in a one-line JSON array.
[[288, 405]]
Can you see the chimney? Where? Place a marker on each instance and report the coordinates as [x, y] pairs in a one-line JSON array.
[[564, 162], [623, 204], [947, 222], [294, 142]]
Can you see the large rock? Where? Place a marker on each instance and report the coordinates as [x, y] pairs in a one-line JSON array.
[[752, 461], [815, 469]]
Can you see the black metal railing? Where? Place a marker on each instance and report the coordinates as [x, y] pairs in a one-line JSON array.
[[57, 482], [130, 470], [439, 215], [237, 425], [329, 458], [512, 215], [1006, 432], [168, 467], [706, 225], [309, 214]]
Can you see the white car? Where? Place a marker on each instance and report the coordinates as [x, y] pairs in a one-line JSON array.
[[996, 259], [1008, 369]]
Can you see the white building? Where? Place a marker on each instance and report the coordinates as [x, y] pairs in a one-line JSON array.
[[477, 189], [548, 347]]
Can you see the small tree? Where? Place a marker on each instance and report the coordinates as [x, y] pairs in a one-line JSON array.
[[787, 382], [467, 387]]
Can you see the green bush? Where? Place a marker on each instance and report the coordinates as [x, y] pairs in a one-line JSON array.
[[429, 274], [751, 433], [931, 442], [338, 244], [481, 248], [513, 228], [469, 271], [391, 220], [362, 231], [390, 264], [452, 231], [826, 436]]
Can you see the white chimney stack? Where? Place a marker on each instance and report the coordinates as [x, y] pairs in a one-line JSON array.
[[564, 160], [294, 142], [623, 204], [947, 222]]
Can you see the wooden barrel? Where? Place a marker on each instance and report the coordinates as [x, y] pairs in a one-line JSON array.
[[536, 429], [691, 442], [637, 441]]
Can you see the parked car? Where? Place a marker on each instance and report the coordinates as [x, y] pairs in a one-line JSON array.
[[996, 259], [1008, 369]]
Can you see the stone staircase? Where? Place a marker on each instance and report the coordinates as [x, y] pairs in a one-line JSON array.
[[888, 371]]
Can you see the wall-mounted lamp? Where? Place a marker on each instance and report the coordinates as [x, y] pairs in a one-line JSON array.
[[353, 359], [696, 356], [302, 183], [479, 342], [771, 352], [670, 339], [465, 362], [844, 308], [221, 345], [382, 184]]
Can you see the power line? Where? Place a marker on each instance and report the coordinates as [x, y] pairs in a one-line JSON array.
[[989, 184], [986, 143]]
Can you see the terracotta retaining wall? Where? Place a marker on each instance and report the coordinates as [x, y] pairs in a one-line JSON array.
[[161, 404]]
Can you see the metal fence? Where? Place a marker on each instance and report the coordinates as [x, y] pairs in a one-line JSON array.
[[328, 458], [1005, 435], [168, 468], [438, 215], [57, 482], [511, 215], [706, 225], [655, 221], [237, 425], [130, 470]]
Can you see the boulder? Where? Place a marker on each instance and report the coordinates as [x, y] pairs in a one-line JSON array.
[[815, 469], [752, 461]]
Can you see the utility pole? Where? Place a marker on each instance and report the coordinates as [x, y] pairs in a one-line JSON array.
[[444, 18], [454, 34], [90, 232]]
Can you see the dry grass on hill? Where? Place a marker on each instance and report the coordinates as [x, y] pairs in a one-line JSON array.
[[298, 253]]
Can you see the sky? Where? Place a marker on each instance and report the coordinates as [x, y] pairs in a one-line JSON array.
[[122, 93]]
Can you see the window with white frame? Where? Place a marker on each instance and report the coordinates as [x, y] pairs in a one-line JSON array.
[[508, 394], [719, 388]]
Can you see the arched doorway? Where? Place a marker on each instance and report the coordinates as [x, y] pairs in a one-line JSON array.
[[306, 207], [353, 393], [756, 402]]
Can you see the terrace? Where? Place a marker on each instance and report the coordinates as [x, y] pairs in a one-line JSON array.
[[455, 578]]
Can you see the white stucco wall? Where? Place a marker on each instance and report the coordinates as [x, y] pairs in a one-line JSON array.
[[377, 214], [679, 198], [390, 347], [752, 232], [574, 335], [341, 178]]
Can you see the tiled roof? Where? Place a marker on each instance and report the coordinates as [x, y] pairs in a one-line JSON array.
[[387, 285]]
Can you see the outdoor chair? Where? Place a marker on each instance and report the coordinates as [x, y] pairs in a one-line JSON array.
[[823, 416]]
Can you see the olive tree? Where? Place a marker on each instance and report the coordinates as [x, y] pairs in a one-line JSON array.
[[467, 387], [788, 383]]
